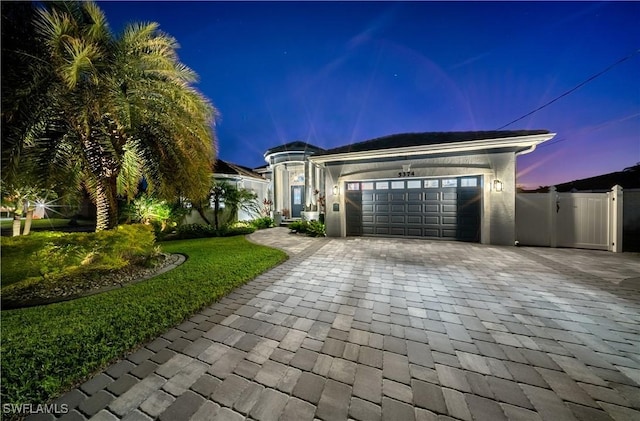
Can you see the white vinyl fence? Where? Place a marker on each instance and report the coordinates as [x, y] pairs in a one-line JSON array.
[[579, 220]]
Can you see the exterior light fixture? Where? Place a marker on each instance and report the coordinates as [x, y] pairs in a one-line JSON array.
[[497, 185], [336, 189], [406, 171]]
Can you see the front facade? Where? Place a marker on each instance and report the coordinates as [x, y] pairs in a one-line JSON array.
[[454, 185], [296, 182]]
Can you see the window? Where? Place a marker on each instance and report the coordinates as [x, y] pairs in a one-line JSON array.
[[469, 182], [297, 196], [413, 184], [367, 186], [382, 185], [450, 182], [353, 186], [431, 184], [397, 184]]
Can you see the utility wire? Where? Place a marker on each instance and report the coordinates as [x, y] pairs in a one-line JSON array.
[[575, 88]]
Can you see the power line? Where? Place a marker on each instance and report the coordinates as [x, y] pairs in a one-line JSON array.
[[575, 88]]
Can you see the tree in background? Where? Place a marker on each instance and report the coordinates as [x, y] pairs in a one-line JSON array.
[[234, 200], [100, 112]]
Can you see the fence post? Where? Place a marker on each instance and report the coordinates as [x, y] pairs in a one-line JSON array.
[[553, 216], [616, 221]]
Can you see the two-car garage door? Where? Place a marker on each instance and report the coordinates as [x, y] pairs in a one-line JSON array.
[[446, 208]]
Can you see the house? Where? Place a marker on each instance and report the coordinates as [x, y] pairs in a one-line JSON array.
[[629, 178], [448, 185], [241, 178]]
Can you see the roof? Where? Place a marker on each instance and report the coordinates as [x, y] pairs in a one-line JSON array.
[[629, 178], [427, 138], [224, 167], [297, 146]]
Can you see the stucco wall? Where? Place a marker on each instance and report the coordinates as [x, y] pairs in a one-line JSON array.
[[497, 210]]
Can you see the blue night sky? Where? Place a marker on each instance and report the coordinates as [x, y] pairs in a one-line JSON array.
[[333, 73]]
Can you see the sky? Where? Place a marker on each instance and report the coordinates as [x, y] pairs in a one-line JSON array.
[[334, 73]]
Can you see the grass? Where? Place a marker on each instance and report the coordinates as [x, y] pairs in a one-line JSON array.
[[47, 350]]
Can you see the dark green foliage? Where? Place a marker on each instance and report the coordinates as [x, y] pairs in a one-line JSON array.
[[49, 256], [94, 111], [236, 230], [48, 349], [311, 228], [203, 231], [262, 223], [316, 229], [187, 231]]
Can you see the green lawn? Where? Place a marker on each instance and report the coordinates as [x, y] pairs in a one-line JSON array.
[[46, 350]]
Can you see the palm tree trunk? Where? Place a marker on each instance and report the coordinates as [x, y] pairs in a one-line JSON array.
[[106, 205], [16, 224], [27, 222], [216, 209]]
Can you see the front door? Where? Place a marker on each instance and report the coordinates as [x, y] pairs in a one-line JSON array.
[[297, 201]]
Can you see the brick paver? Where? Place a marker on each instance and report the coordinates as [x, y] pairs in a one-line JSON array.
[[395, 329]]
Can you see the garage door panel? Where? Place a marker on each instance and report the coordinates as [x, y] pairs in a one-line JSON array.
[[432, 220], [431, 232], [432, 208], [382, 230], [401, 231], [368, 230], [420, 208], [414, 232]]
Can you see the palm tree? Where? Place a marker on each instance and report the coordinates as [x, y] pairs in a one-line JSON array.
[[234, 199], [107, 111]]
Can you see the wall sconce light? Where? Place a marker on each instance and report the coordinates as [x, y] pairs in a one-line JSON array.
[[336, 190], [497, 185]]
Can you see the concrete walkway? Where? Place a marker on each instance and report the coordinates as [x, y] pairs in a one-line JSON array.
[[368, 328]]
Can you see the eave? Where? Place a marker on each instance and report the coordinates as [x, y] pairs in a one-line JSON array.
[[520, 144]]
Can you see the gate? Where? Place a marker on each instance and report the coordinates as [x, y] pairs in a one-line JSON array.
[[583, 220], [579, 220]]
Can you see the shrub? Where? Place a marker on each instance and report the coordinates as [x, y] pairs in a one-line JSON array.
[[187, 231], [202, 231], [311, 228], [41, 262], [316, 229], [149, 210], [299, 226], [237, 230], [262, 223]]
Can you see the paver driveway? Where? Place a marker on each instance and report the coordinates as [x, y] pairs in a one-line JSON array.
[[395, 329]]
